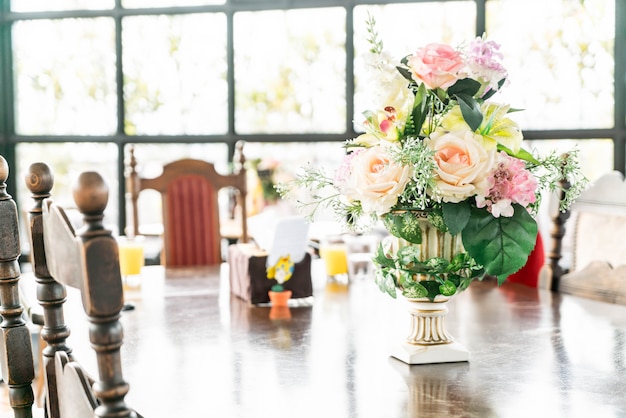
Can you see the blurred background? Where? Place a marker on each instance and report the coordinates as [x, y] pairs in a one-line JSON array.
[[80, 80]]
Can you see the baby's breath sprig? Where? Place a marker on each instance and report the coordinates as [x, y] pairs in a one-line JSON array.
[[415, 153], [556, 167], [324, 194]]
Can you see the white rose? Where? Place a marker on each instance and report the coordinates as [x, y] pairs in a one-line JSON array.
[[462, 165], [376, 180]]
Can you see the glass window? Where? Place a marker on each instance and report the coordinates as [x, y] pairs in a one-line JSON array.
[[290, 71], [65, 77], [560, 60], [53, 5], [403, 28], [169, 3], [175, 74], [67, 160]]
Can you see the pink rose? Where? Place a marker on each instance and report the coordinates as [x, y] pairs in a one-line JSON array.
[[376, 180], [463, 165], [436, 65]]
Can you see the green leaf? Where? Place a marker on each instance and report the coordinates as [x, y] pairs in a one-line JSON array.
[[386, 283], [404, 225], [432, 286], [406, 73], [437, 264], [466, 86], [447, 288], [522, 154], [470, 110], [501, 245], [407, 256], [382, 260], [456, 216], [420, 109], [414, 291]]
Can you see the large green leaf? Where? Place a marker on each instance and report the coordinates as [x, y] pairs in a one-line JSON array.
[[456, 216], [470, 110], [501, 245], [466, 86]]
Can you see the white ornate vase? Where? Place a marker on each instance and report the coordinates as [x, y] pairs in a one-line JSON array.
[[428, 340]]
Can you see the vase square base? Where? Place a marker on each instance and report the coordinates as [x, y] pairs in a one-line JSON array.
[[428, 354]]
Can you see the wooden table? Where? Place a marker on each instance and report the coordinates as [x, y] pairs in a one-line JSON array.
[[193, 350]]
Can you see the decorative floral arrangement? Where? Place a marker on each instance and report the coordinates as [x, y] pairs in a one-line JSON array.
[[281, 272], [439, 145]]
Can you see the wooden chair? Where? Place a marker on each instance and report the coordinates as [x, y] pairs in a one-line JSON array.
[[191, 221], [15, 348], [88, 262], [588, 255]]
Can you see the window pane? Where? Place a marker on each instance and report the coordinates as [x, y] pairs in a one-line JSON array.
[[290, 76], [560, 61], [175, 74], [65, 77], [167, 3], [50, 5], [403, 28], [287, 160], [150, 161], [67, 160]]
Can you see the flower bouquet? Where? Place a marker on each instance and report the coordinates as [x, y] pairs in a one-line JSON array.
[[443, 166]]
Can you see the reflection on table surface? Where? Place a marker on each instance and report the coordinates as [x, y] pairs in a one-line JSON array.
[[193, 350]]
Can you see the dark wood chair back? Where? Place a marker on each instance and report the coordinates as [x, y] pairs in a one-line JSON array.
[[15, 348], [191, 220], [89, 262]]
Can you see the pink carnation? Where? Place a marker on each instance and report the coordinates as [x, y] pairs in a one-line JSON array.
[[484, 63], [509, 182]]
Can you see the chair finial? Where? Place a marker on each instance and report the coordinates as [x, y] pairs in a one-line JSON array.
[[39, 179], [91, 193], [4, 169]]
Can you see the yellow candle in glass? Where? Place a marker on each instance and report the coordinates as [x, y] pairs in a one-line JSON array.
[[335, 258], [131, 257]]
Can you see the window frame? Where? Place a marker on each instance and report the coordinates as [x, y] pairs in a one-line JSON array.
[[9, 138]]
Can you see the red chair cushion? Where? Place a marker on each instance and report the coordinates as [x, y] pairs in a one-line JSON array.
[[529, 274], [192, 232]]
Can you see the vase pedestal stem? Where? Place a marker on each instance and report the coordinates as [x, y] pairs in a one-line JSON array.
[[428, 341]]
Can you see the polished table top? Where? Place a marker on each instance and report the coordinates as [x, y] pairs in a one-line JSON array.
[[193, 350]]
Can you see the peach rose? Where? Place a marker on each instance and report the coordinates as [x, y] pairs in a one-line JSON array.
[[436, 65], [376, 180], [462, 165]]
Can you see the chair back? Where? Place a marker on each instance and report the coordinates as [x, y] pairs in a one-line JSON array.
[[191, 220], [16, 356], [591, 230], [89, 262]]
